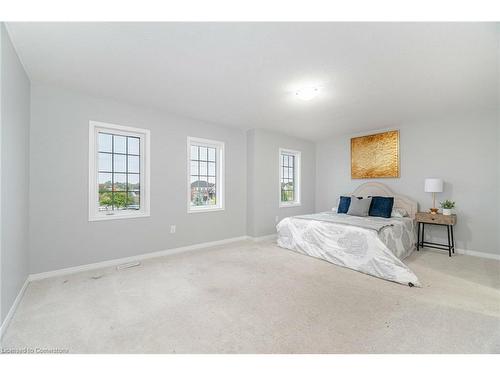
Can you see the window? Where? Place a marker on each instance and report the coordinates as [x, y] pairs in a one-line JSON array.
[[118, 171], [289, 178], [205, 175]]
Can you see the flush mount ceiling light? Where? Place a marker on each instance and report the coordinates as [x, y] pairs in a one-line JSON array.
[[307, 93]]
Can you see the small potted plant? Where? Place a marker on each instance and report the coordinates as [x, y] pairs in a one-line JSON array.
[[447, 206]]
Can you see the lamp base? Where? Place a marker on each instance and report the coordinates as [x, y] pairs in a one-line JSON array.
[[433, 210]]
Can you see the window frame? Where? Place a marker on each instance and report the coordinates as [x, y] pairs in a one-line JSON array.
[[144, 167], [296, 177], [220, 174]]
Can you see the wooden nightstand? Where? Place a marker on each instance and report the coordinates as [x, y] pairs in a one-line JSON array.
[[448, 221]]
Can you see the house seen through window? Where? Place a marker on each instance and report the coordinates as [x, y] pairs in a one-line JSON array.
[[205, 174]]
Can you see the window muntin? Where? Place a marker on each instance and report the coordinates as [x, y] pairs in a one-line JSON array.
[[289, 177], [118, 171], [205, 175]]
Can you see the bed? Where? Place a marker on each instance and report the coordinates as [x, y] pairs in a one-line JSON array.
[[372, 245]]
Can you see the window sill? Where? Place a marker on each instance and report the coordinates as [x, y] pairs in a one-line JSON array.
[[293, 204], [119, 216], [209, 209]]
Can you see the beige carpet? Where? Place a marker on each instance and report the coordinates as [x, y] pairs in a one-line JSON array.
[[257, 298]]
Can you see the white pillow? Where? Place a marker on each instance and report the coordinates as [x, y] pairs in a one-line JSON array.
[[399, 212], [359, 207]]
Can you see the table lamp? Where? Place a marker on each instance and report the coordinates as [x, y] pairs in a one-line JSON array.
[[433, 185]]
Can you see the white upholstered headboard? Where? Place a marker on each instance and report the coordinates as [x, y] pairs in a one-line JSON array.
[[377, 188]]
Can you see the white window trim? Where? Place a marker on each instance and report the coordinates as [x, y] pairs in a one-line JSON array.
[[297, 179], [144, 134], [220, 160]]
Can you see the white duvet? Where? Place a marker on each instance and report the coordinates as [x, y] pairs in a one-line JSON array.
[[375, 246]]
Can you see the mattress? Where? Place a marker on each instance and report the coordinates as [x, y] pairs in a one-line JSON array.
[[372, 245]]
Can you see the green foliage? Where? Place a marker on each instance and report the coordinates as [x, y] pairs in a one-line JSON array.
[[198, 200], [118, 199], [105, 199], [114, 196], [447, 204], [121, 200], [286, 195], [287, 192]]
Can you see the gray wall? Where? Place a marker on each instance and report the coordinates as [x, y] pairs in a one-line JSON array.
[[263, 178], [463, 150], [498, 138], [251, 183], [15, 116], [61, 235]]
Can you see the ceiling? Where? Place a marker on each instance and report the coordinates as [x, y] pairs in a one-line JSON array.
[[371, 75]]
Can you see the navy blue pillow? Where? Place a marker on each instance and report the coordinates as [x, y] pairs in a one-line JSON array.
[[344, 204], [381, 206]]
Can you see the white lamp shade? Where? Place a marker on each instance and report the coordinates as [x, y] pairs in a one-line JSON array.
[[433, 185]]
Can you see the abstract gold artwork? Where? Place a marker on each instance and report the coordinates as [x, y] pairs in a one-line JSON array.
[[375, 155]]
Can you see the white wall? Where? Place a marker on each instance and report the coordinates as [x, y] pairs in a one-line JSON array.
[[263, 179], [61, 235], [15, 116], [463, 150]]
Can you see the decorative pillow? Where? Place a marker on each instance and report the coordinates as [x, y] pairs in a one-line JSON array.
[[399, 212], [381, 206], [359, 207], [343, 204]]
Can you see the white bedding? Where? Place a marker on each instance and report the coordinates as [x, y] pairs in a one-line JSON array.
[[352, 244]]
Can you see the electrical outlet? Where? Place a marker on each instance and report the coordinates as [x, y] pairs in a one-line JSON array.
[[276, 219], [172, 229]]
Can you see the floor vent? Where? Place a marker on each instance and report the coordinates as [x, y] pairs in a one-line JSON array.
[[127, 265]]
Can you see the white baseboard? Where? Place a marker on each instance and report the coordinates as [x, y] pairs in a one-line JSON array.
[[264, 238], [13, 308], [115, 262], [479, 254]]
